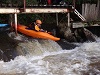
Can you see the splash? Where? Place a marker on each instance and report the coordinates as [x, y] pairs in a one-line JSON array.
[[78, 61], [37, 47], [45, 57], [33, 46]]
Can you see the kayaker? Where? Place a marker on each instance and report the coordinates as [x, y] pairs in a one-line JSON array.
[[36, 25]]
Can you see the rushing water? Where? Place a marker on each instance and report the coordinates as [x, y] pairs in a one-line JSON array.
[[46, 57]]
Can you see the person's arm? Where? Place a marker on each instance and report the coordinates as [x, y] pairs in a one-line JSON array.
[[30, 26]]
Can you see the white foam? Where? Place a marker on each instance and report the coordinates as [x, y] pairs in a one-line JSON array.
[[61, 62]]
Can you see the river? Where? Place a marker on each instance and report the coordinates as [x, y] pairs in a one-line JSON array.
[[46, 57]]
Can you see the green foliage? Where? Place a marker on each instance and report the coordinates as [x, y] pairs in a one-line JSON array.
[[4, 18], [81, 1], [31, 2], [26, 19], [35, 1], [90, 1]]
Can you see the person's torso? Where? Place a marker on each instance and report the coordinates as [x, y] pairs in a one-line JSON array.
[[37, 28]]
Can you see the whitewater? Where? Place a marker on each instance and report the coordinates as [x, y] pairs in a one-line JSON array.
[[51, 59]]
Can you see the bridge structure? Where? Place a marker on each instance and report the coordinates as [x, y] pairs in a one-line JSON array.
[[14, 9], [35, 9], [23, 8]]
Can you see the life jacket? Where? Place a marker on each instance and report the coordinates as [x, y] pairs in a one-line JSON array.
[[37, 28]]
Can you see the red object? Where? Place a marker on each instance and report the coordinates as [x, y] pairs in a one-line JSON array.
[[49, 2]]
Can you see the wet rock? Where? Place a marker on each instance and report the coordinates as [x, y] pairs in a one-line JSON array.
[[66, 32], [94, 29], [7, 46], [89, 35], [83, 34], [3, 56], [80, 34], [66, 45], [69, 36]]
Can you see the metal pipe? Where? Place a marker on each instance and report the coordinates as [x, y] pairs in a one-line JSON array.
[[15, 15], [11, 18], [68, 19], [11, 21], [57, 18], [24, 5]]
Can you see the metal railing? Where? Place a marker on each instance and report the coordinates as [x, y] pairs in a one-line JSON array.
[[79, 15]]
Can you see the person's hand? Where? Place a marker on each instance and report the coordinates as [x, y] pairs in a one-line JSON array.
[[46, 31], [42, 30], [49, 32]]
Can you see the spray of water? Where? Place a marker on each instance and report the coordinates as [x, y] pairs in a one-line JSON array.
[[45, 57]]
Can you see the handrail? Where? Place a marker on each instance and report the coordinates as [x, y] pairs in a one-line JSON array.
[[79, 15]]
